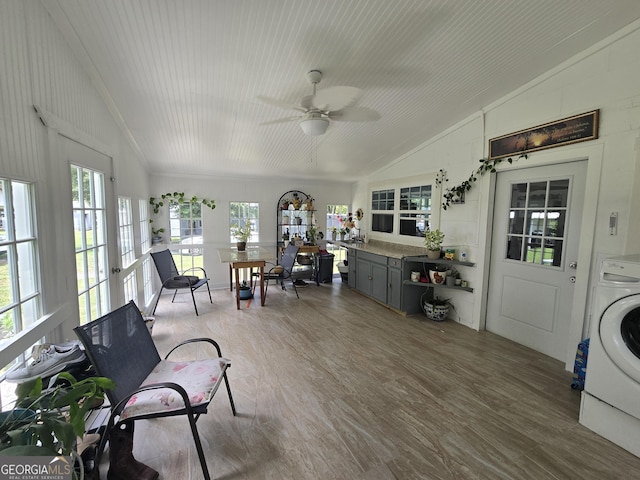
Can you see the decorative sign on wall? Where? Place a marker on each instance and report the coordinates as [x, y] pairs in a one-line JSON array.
[[578, 128]]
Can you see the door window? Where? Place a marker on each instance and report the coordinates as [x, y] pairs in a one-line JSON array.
[[90, 231], [537, 218]]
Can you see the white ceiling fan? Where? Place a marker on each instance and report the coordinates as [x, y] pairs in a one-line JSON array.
[[333, 103]]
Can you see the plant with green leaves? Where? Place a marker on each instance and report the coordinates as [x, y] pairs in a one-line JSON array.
[[433, 239], [241, 232], [178, 198], [48, 422], [452, 194]]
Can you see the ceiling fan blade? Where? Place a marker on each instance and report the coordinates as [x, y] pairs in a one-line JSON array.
[[355, 114], [281, 120], [336, 98], [279, 103]]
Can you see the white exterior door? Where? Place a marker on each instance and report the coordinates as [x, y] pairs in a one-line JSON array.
[[94, 224], [535, 239]]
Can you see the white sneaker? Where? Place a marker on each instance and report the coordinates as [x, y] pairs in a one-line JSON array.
[[49, 360]]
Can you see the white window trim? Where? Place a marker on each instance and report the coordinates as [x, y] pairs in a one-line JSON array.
[[396, 184]]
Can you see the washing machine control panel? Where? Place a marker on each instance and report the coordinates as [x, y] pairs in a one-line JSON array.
[[621, 270]]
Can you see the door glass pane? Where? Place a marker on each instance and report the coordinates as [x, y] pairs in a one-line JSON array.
[[519, 195], [514, 247], [536, 229], [537, 194], [90, 231], [516, 221], [558, 193]]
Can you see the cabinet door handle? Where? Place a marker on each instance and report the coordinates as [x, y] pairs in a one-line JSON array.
[[370, 277]]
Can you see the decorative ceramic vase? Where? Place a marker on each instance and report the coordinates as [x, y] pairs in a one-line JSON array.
[[435, 312], [241, 246], [342, 236], [450, 281], [433, 254], [436, 277], [334, 236], [297, 203]]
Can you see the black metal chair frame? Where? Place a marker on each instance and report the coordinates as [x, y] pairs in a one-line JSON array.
[[172, 279], [284, 271], [121, 348]]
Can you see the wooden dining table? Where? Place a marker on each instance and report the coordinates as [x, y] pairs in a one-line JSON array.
[[252, 257]]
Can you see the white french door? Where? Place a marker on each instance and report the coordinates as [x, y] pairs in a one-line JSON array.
[[93, 211]]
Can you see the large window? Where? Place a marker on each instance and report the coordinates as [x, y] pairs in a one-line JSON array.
[[404, 208], [242, 213], [185, 221], [19, 276]]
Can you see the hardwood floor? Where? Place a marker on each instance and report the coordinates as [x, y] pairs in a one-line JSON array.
[[335, 386]]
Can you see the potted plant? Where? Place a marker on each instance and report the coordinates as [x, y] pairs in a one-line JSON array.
[[453, 278], [242, 234], [285, 238], [334, 233], [436, 308], [245, 291], [433, 241], [49, 422], [285, 203], [156, 235]]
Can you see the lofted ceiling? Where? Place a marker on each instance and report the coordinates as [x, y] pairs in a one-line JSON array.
[[183, 76]]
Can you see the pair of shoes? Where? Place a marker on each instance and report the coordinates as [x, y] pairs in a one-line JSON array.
[[48, 360]]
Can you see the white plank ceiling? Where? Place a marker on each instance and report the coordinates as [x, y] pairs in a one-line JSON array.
[[184, 75]]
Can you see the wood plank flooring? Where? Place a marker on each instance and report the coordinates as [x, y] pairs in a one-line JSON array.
[[335, 386]]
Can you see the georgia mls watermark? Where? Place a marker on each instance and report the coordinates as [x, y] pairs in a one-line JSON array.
[[35, 468]]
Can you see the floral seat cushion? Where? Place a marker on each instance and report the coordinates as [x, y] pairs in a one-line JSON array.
[[200, 379]]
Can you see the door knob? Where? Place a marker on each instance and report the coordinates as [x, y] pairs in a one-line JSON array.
[[115, 270], [572, 279], [573, 265]]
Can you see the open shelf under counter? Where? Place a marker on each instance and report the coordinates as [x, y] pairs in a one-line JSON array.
[[437, 261], [433, 285]]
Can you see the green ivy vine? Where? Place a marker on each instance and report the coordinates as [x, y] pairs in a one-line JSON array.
[[178, 198], [452, 194]]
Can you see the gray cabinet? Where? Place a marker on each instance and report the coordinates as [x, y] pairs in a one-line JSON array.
[[371, 275], [394, 282], [352, 258]]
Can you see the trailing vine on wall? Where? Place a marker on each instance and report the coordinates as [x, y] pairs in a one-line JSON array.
[[178, 198], [453, 194]]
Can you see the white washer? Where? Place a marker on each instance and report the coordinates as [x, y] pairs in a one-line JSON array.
[[610, 403]]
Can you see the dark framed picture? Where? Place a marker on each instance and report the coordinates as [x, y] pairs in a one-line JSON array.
[[578, 128]]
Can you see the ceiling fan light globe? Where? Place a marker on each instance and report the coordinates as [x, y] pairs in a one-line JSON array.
[[314, 126]]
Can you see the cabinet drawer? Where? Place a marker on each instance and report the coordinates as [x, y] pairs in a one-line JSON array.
[[372, 257], [394, 262]]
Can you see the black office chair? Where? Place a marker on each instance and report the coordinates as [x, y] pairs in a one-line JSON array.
[[284, 271], [172, 279], [120, 347]]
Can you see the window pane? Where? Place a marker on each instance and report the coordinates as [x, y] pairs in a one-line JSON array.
[[558, 193], [519, 195], [537, 194], [3, 211], [516, 221], [27, 269], [514, 247], [22, 211]]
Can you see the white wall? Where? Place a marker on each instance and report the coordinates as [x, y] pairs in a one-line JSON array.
[[605, 77], [264, 191], [38, 68]]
